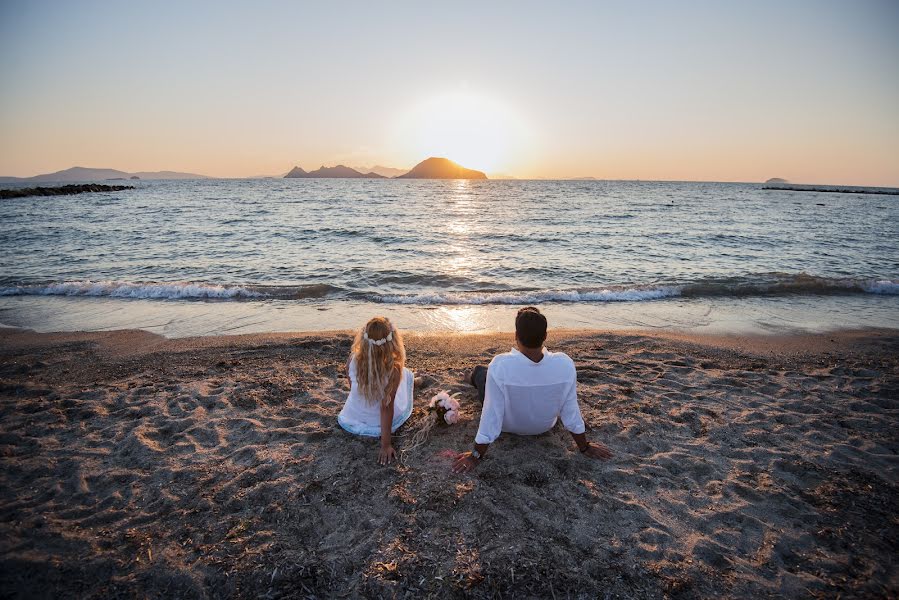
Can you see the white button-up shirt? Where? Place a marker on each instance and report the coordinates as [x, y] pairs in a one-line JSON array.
[[527, 397]]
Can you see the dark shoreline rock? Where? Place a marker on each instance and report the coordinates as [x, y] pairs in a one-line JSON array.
[[63, 190]]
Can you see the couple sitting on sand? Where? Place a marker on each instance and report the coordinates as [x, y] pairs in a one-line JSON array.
[[524, 391]]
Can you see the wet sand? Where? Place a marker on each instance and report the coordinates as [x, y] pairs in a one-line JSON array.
[[135, 465]]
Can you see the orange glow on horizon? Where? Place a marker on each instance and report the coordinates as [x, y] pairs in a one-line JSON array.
[[474, 130]]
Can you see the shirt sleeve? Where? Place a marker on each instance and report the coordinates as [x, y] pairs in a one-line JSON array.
[[571, 412], [494, 408]]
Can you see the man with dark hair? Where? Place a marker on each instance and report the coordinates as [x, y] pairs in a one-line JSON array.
[[526, 391]]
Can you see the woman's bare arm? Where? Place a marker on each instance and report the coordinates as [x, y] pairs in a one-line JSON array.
[[387, 453]]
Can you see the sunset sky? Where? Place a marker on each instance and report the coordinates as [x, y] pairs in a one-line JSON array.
[[721, 91]]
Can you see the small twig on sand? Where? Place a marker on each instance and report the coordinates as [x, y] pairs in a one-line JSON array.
[[420, 436]]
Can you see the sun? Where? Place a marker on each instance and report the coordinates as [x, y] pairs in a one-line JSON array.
[[473, 130]]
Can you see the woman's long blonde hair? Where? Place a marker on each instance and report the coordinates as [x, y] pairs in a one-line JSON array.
[[377, 361]]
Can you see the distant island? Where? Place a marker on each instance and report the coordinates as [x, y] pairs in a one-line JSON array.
[[89, 174], [431, 168], [385, 171], [338, 172], [777, 180], [441, 168]]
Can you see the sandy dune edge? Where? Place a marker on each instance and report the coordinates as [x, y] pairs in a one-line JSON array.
[[212, 467]]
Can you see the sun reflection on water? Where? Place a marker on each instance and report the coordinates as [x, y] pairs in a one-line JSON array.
[[459, 228], [459, 256], [463, 319]]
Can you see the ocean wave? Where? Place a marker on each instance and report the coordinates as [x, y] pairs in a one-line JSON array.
[[764, 284], [118, 289], [780, 284], [534, 297], [883, 286], [169, 291]]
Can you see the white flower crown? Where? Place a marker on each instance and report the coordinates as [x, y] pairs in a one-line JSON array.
[[380, 342]]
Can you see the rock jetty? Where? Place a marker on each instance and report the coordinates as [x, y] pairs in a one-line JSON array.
[[63, 190]]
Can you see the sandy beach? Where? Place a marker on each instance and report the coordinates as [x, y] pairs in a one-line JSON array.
[[139, 466]]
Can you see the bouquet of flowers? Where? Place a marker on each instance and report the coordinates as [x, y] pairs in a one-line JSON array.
[[445, 407], [442, 410]]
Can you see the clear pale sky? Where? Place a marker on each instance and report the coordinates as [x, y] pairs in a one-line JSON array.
[[724, 91]]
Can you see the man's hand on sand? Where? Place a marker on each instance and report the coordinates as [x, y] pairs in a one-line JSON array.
[[598, 451], [465, 462]]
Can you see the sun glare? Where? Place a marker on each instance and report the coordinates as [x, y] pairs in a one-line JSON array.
[[473, 130]]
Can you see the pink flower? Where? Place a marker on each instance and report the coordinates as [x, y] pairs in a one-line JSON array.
[[451, 417], [443, 403]]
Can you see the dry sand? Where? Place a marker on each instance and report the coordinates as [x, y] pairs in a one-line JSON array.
[[138, 466]]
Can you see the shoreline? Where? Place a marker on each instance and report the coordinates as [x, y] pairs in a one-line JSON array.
[[132, 344], [760, 342], [744, 466], [193, 318]]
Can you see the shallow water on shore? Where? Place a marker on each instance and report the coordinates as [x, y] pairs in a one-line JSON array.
[[191, 318]]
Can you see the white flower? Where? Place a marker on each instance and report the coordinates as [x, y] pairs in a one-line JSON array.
[[443, 400], [438, 399], [451, 417]]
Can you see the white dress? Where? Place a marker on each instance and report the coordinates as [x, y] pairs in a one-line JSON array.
[[362, 418]]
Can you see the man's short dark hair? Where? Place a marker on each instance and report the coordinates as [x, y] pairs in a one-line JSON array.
[[530, 327]]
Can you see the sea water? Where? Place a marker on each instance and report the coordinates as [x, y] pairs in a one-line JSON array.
[[221, 256]]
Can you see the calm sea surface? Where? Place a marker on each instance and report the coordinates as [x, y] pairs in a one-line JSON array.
[[216, 256]]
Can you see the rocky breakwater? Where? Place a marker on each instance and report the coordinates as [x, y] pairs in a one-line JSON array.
[[63, 190]]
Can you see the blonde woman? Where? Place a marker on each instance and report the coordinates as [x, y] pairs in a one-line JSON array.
[[380, 397]]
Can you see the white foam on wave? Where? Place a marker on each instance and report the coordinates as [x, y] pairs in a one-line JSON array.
[[881, 286], [606, 295], [118, 289], [199, 291]]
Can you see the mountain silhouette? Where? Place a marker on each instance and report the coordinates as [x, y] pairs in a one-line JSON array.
[[296, 172], [441, 168], [338, 172], [380, 170], [90, 174]]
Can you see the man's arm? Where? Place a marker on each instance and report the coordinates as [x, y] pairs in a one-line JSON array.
[[574, 423], [591, 449], [490, 427]]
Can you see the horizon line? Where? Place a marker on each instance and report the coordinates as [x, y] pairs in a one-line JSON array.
[[490, 177]]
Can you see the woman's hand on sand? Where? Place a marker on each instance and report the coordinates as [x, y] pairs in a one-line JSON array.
[[465, 462], [598, 451], [387, 455]]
